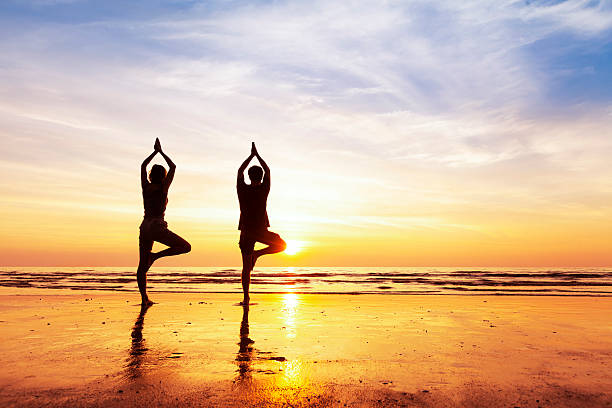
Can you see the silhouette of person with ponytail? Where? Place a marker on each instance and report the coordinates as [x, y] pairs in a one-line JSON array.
[[154, 227]]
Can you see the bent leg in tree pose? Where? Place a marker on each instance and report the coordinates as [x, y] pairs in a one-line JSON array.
[[154, 227], [254, 222]]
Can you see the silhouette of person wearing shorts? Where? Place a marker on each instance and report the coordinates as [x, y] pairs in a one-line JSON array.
[[254, 222], [153, 227]]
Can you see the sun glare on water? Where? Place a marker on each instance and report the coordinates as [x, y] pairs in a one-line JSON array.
[[293, 247]]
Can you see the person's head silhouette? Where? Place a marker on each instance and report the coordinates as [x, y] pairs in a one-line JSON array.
[[157, 174], [255, 175]]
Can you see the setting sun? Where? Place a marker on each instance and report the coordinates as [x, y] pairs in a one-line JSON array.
[[293, 247]]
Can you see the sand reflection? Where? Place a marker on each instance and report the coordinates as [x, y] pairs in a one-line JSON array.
[[245, 350], [138, 350]]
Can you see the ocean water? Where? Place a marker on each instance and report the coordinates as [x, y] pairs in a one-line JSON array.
[[351, 280]]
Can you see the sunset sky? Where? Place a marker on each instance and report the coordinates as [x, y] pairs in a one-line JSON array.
[[399, 133]]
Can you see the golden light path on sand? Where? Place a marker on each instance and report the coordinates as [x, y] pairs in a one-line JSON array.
[[294, 379], [290, 309]]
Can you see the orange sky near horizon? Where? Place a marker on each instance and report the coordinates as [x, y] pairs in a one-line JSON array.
[[338, 223]]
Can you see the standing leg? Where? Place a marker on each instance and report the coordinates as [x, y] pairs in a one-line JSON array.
[[273, 240], [246, 276], [247, 245], [144, 264]]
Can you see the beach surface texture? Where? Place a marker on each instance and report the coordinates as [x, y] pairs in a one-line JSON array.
[[305, 350]]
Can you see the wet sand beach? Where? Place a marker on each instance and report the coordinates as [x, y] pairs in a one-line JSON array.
[[299, 350]]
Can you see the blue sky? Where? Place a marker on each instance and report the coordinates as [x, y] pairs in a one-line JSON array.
[[579, 68], [435, 55]]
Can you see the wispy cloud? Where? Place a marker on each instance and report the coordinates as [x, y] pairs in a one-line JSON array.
[[381, 108]]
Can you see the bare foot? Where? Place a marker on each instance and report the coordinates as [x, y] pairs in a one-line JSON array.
[[245, 301], [146, 302]]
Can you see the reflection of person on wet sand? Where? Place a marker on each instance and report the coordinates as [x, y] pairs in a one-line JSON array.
[[138, 348], [153, 227], [254, 223], [245, 351]]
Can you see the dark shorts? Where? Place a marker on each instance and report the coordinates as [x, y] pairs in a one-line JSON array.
[[249, 238], [156, 229]]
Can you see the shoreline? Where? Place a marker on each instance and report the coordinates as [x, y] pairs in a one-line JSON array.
[[81, 292], [398, 281]]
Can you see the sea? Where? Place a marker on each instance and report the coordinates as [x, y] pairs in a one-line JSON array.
[[320, 280]]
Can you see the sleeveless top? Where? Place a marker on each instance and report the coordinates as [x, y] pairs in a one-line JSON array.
[[155, 198], [253, 202]]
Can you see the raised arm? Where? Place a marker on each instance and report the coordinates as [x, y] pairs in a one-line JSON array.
[[266, 177], [143, 169], [243, 166], [171, 166]]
